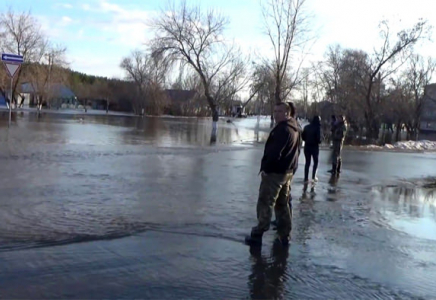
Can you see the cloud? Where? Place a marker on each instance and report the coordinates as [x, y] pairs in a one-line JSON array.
[[66, 20], [108, 7], [63, 5], [126, 26], [80, 33], [53, 27]]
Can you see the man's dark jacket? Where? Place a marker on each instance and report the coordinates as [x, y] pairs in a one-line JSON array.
[[282, 148]]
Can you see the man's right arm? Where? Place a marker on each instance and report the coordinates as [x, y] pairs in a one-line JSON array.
[[275, 151]]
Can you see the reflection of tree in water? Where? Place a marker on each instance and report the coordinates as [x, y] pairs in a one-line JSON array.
[[409, 201], [191, 131], [267, 279]]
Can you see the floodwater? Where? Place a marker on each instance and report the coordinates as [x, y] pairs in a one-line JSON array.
[[127, 207]]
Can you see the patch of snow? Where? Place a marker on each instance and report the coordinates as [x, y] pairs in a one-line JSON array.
[[406, 145], [416, 145]]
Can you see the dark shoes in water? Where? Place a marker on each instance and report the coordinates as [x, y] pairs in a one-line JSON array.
[[284, 241], [256, 240], [253, 240], [274, 225]]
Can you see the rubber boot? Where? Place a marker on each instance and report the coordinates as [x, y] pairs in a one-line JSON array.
[[306, 174], [253, 239], [338, 169], [334, 169], [282, 240]]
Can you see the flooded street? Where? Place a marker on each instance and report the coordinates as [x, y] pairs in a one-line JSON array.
[[127, 207]]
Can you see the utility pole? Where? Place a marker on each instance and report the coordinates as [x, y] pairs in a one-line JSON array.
[[50, 60]]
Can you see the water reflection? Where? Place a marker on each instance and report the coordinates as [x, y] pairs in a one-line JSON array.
[[173, 131], [267, 278], [157, 131], [308, 196], [306, 214], [332, 189], [409, 209]]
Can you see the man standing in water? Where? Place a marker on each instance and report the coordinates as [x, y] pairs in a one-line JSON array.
[[312, 138], [279, 162], [332, 128], [339, 133]]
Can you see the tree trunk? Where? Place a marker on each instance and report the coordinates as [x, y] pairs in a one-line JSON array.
[[398, 131], [416, 128], [372, 127], [277, 95], [213, 135], [375, 130], [369, 133], [278, 85], [215, 118]]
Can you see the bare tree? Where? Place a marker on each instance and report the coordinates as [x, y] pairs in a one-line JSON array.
[[397, 106], [340, 80], [356, 82], [47, 73], [21, 34], [287, 27], [149, 74], [305, 90], [194, 37], [188, 79], [413, 82], [263, 86], [384, 62], [230, 82], [135, 66]]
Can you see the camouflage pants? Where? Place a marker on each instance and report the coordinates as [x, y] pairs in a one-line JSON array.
[[337, 150], [274, 194]]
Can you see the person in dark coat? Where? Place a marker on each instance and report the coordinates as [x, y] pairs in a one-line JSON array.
[[312, 138], [332, 127]]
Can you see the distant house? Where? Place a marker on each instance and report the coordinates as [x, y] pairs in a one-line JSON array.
[[60, 95], [428, 116], [238, 111]]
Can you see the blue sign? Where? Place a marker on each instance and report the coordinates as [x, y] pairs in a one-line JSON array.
[[13, 58]]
